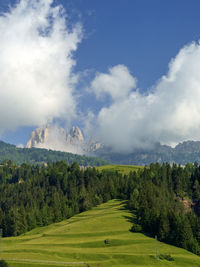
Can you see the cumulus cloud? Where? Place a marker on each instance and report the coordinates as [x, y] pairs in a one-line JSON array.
[[37, 84], [117, 83], [168, 113], [36, 64]]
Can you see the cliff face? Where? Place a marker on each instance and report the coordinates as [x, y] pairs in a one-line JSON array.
[[75, 136], [57, 138], [39, 135], [43, 135]]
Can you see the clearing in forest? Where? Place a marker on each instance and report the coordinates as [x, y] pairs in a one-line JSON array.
[[97, 238]]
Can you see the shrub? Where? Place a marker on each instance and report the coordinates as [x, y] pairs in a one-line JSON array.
[[106, 241], [136, 228], [166, 257]]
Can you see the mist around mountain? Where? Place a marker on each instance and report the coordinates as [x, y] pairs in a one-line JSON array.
[[188, 151], [74, 141]]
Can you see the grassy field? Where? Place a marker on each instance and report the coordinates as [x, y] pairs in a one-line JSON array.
[[79, 241], [124, 169]]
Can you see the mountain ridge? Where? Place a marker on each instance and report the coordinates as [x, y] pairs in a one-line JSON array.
[[182, 153], [43, 156]]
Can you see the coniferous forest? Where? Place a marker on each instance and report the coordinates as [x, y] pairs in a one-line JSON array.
[[165, 199]]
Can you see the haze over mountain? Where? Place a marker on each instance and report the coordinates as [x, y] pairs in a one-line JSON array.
[[56, 138]]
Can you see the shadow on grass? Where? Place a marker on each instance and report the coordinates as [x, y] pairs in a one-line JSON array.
[[124, 205], [131, 219]]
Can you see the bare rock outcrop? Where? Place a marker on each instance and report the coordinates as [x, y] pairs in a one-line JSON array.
[[75, 136], [57, 138], [39, 135]]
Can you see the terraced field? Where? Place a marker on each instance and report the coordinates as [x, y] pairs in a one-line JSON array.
[[79, 241]]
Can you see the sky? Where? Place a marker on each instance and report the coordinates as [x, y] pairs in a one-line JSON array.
[[125, 71]]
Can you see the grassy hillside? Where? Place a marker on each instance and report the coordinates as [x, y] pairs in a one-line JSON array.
[[79, 241], [124, 169]]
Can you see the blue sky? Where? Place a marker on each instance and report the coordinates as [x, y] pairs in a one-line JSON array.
[[143, 35]]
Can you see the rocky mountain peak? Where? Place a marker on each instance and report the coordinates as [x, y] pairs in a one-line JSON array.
[[39, 135], [57, 138], [76, 134]]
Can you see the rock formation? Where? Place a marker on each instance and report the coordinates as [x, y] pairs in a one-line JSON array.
[[56, 138], [75, 136], [39, 135]]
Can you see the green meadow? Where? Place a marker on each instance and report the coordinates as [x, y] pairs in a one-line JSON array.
[[123, 169], [79, 241]]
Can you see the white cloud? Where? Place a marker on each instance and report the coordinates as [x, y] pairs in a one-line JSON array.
[[117, 83], [36, 61], [169, 113], [37, 84]]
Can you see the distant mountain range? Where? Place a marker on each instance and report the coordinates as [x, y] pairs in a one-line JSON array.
[[47, 145], [57, 138], [188, 151]]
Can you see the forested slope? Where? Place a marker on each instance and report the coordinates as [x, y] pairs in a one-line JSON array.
[[41, 156], [165, 198], [188, 151]]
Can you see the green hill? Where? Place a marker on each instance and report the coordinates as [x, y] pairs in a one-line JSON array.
[[41, 156], [79, 241]]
